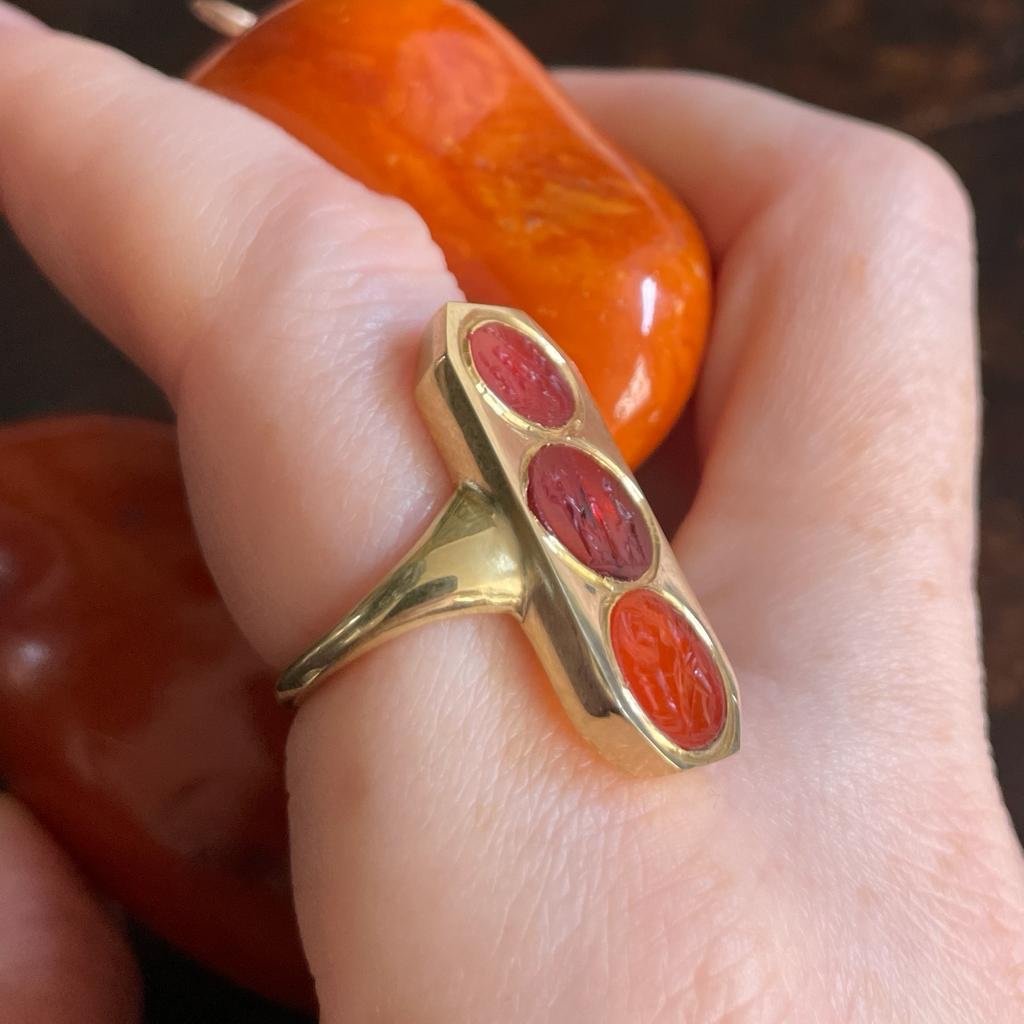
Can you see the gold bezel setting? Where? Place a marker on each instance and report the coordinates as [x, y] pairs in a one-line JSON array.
[[488, 551]]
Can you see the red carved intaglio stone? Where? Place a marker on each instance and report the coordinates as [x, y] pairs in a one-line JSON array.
[[521, 375], [589, 510], [668, 669]]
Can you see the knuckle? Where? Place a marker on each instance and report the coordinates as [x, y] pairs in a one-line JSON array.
[[910, 178], [916, 165], [322, 227], [303, 256]]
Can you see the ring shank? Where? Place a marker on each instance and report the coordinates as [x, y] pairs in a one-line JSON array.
[[467, 561]]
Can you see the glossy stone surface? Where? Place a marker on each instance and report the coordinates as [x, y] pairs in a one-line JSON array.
[[668, 668], [588, 509], [432, 101], [135, 720], [521, 375]]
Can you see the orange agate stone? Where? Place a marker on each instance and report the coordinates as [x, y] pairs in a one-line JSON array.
[[135, 720], [432, 101], [668, 669]]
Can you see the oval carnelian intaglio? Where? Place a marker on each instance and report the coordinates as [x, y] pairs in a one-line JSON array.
[[585, 506], [516, 370], [668, 669]]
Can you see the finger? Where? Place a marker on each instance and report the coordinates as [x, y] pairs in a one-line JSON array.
[[61, 958], [832, 536], [13, 17], [278, 302]]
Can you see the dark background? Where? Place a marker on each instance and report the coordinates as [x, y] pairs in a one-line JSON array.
[[950, 72]]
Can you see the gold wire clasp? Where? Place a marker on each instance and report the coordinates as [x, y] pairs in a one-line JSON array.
[[227, 19]]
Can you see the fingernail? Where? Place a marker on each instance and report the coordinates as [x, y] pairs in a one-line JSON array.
[[12, 17]]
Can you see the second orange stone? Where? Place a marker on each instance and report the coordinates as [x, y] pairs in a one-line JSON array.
[[434, 102]]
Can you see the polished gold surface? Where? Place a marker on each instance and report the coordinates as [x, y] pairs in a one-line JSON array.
[[486, 551], [468, 561]]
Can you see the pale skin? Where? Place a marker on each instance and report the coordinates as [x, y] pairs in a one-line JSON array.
[[459, 854]]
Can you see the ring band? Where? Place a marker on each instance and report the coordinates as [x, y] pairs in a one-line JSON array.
[[548, 524]]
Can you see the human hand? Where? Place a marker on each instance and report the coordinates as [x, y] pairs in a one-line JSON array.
[[459, 855]]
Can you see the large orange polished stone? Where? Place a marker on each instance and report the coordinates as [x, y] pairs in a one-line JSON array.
[[135, 720], [668, 669], [434, 102]]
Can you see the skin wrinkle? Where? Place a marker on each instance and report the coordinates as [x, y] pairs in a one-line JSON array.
[[412, 475], [784, 219], [824, 436], [310, 209]]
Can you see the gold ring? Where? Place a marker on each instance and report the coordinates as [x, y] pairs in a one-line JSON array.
[[548, 524]]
